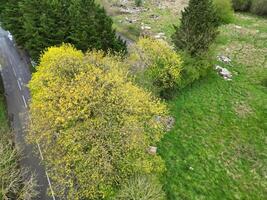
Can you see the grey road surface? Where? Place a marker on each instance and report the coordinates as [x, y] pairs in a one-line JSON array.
[[128, 41], [16, 75]]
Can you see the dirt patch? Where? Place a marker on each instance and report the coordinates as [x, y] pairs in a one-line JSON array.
[[246, 54], [242, 109], [176, 6]]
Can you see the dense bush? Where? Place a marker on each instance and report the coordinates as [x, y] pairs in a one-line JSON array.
[[194, 68], [38, 24], [141, 188], [198, 28], [242, 5], [259, 7], [156, 65], [93, 124], [224, 10], [138, 2]]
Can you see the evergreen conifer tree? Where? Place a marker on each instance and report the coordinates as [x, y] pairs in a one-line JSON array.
[[198, 29], [2, 6], [11, 19], [44, 24], [91, 28], [38, 24]]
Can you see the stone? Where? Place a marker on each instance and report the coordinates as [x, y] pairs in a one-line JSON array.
[[126, 11], [160, 36], [144, 27], [152, 150], [153, 16], [131, 21], [238, 27], [224, 59], [167, 121], [225, 73]]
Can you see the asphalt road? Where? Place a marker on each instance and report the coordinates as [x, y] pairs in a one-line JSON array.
[[128, 41], [16, 75]]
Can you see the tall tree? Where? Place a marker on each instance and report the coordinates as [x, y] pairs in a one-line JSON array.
[[45, 24], [2, 6], [91, 28], [11, 18], [38, 24], [198, 29]]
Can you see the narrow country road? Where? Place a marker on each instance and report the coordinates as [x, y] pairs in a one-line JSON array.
[[128, 41], [16, 75]]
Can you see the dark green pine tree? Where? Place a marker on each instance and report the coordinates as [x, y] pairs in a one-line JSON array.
[[45, 24], [198, 28], [32, 13], [11, 20], [91, 28], [2, 7], [79, 22]]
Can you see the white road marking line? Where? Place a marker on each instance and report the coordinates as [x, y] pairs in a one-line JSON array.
[[0, 67], [24, 101], [14, 71], [40, 151], [42, 158], [49, 183], [47, 177], [19, 85]]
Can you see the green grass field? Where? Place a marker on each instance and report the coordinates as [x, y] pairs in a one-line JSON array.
[[217, 149]]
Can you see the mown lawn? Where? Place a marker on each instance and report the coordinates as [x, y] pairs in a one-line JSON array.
[[218, 147]]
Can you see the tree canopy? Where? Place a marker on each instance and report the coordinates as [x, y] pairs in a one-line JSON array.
[[93, 124], [157, 66], [198, 29], [38, 24]]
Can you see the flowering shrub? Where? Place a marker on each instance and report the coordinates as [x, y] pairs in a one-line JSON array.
[[93, 124], [157, 65]]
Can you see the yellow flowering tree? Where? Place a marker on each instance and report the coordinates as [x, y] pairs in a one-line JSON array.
[[156, 65], [92, 123]]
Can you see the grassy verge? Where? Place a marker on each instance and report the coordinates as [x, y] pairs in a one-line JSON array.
[[217, 149], [5, 150], [14, 182]]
